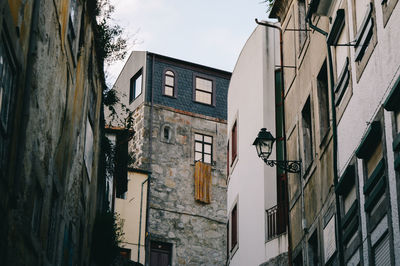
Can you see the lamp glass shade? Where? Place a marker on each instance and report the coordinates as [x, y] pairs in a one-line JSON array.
[[264, 143]]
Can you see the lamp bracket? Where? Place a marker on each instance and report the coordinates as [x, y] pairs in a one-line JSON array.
[[290, 166]]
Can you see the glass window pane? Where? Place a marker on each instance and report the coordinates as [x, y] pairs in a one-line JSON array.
[[198, 147], [169, 91], [170, 73], [203, 84], [203, 97], [138, 86], [169, 81], [197, 156], [198, 137], [207, 148], [207, 158], [207, 139]]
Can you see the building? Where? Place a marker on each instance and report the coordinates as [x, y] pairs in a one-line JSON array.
[[257, 232], [342, 115], [179, 118], [131, 208], [50, 134]]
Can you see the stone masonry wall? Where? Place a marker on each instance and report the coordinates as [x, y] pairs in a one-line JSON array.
[[197, 231]]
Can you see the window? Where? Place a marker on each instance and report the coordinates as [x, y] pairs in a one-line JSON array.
[[7, 79], [397, 120], [234, 229], [302, 23], [135, 86], [381, 252], [72, 24], [169, 84], [234, 142], [203, 148], [307, 134], [227, 161], [364, 28], [347, 189], [374, 161], [313, 250], [204, 90], [89, 142], [323, 101], [160, 254]]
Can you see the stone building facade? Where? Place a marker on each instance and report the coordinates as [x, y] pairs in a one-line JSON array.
[[50, 105], [342, 96], [167, 119]]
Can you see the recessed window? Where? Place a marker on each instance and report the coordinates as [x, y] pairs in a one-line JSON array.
[[169, 83], [323, 101], [135, 86], [307, 134], [203, 148], [234, 227], [234, 142], [203, 90]]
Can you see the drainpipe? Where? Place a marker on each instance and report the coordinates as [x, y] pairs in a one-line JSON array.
[[311, 10], [283, 131], [140, 219], [150, 163]]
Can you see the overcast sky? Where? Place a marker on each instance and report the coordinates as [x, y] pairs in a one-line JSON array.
[[208, 32]]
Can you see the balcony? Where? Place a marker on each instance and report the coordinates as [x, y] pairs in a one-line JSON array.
[[275, 221]]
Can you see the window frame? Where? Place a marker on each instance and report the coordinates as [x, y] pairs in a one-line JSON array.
[[132, 85], [174, 87], [364, 34], [203, 143], [234, 142], [307, 158], [213, 89]]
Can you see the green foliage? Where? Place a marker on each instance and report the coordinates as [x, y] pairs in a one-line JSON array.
[[110, 44], [269, 3], [107, 235]]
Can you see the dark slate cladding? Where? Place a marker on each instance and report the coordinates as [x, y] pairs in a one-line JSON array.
[[185, 73]]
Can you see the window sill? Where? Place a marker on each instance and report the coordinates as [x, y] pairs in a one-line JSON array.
[[205, 104], [169, 96]]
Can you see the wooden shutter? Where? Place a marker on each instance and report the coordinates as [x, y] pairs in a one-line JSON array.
[[202, 182]]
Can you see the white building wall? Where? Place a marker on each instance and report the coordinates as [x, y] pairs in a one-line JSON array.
[[252, 184]]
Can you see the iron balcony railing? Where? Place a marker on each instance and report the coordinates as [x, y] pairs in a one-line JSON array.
[[275, 222]]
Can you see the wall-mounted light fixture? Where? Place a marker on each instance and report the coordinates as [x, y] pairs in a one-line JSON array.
[[264, 143]]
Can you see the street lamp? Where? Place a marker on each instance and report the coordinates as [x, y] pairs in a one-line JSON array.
[[264, 143]]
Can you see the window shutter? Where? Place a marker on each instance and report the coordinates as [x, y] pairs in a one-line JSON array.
[[202, 182], [382, 252]]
